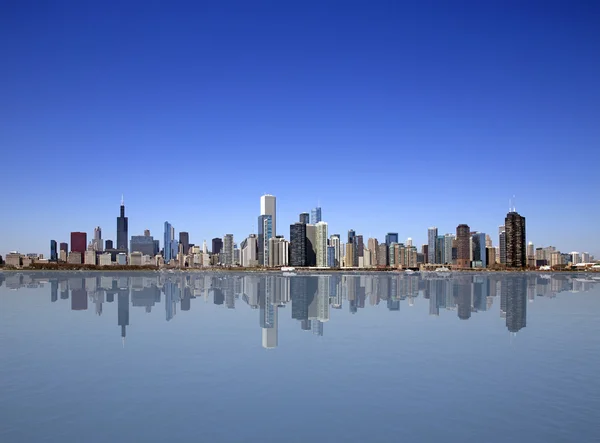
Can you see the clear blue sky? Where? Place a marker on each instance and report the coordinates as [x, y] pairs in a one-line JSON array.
[[396, 116]]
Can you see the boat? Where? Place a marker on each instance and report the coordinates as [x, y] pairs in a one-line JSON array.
[[287, 269], [409, 271]]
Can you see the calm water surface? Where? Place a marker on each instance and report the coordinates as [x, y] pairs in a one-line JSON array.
[[100, 357]]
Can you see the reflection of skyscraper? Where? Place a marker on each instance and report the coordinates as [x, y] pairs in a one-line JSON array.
[[123, 311], [463, 233], [462, 294], [53, 290], [516, 303], [79, 299]]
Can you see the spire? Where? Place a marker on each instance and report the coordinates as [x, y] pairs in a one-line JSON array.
[[122, 200]]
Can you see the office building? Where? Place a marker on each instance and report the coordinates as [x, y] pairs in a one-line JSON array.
[[168, 243], [349, 259], [331, 257], [97, 243], [108, 244], [491, 256], [265, 232], [322, 236], [268, 206], [448, 239], [75, 258], [298, 244], [122, 229], [136, 258], [432, 235], [516, 253], [227, 255], [89, 257], [53, 251], [305, 218], [351, 235], [373, 247], [217, 245], [315, 216], [479, 251], [575, 258], [311, 245], [502, 243], [336, 243], [144, 244], [78, 242], [249, 253], [121, 259], [585, 257], [440, 249], [391, 237], [184, 240], [278, 252], [463, 241], [382, 255]]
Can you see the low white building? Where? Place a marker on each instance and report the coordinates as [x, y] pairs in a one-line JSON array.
[[90, 257], [105, 259], [135, 259]]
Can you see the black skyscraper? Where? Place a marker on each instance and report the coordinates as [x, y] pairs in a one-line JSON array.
[[108, 244], [123, 310], [516, 252], [217, 245], [122, 229], [298, 244], [53, 251], [184, 240], [305, 218], [516, 303]]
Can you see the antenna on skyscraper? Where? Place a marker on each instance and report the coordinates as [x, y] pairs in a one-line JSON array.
[[122, 200], [514, 205]]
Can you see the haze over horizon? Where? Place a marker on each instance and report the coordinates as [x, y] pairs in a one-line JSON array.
[[394, 117]]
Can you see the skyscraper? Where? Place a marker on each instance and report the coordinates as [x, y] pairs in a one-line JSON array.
[[391, 237], [305, 218], [321, 244], [265, 232], [78, 242], [336, 243], [228, 250], [315, 216], [184, 240], [448, 239], [122, 229], [217, 245], [108, 244], [432, 234], [311, 245], [53, 251], [479, 250], [97, 243], [516, 253], [351, 235], [298, 244], [463, 236], [169, 237], [268, 206], [142, 243], [502, 242]]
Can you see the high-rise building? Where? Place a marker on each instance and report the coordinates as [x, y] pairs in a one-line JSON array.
[[265, 232], [331, 257], [217, 245], [78, 242], [305, 218], [298, 244], [278, 252], [268, 206], [373, 246], [336, 243], [463, 240], [349, 260], [351, 235], [108, 244], [382, 255], [432, 251], [311, 245], [440, 251], [248, 255], [184, 240], [227, 250], [448, 239], [142, 243], [321, 243], [64, 247], [391, 237], [53, 251], [516, 253], [502, 243], [315, 216], [488, 241], [169, 238], [479, 251], [122, 229], [97, 243]]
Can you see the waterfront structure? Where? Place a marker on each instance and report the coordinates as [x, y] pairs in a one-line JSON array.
[[298, 244], [315, 216], [53, 251], [78, 242], [227, 250], [432, 250], [516, 253], [575, 258], [322, 235], [184, 240], [248, 254], [265, 232], [556, 259], [268, 206], [305, 218], [168, 242], [143, 243], [122, 229], [463, 240], [97, 243]]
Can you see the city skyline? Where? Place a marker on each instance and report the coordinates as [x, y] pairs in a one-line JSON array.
[[314, 119]]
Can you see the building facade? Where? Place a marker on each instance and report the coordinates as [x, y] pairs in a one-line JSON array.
[[227, 253], [315, 216], [122, 229], [516, 252], [432, 250], [268, 206], [265, 232], [322, 236], [463, 242], [298, 244], [78, 242]]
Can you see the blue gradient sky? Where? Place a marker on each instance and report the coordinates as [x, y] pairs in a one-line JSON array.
[[396, 116]]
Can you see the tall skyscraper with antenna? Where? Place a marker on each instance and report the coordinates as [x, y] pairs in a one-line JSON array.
[[122, 228]]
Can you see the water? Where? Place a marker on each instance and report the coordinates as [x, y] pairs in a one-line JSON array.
[[100, 357]]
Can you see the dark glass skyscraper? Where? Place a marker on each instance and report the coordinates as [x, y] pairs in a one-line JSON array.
[[78, 242], [351, 235], [298, 244], [184, 239], [217, 245], [516, 303], [516, 252], [108, 244], [53, 251], [64, 247], [391, 237], [305, 218], [122, 229]]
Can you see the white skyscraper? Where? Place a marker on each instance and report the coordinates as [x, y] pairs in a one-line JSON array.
[[335, 242], [268, 206], [448, 238], [432, 234], [321, 244]]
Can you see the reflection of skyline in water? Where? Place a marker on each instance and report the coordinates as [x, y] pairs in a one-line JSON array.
[[311, 297]]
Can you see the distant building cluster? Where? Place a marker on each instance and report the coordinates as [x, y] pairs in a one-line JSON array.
[[310, 244]]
